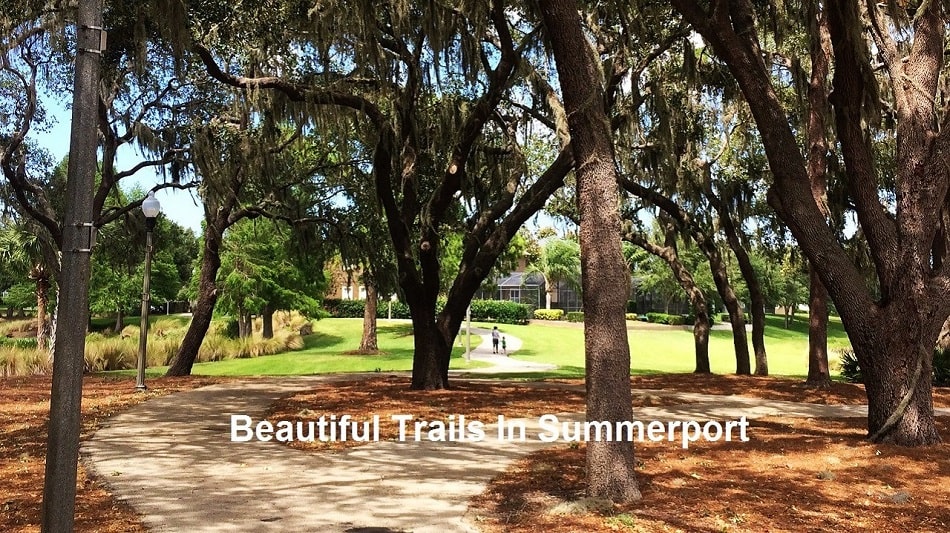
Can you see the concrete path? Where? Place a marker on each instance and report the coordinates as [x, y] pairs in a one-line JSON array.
[[501, 362], [173, 460]]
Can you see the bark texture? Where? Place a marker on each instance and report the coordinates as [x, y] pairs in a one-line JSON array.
[[818, 372], [610, 465], [369, 341], [820, 53], [267, 322], [62, 450]]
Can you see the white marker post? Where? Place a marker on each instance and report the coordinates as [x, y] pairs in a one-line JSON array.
[[468, 327]]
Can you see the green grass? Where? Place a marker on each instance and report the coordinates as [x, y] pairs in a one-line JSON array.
[[671, 350], [652, 351], [324, 353]]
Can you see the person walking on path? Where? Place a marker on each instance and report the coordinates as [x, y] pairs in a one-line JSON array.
[[495, 336]]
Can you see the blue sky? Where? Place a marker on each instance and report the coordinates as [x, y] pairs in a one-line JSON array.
[[179, 206]]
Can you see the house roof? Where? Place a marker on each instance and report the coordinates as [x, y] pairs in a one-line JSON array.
[[519, 279]]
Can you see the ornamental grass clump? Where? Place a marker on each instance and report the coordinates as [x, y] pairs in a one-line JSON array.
[[22, 361]]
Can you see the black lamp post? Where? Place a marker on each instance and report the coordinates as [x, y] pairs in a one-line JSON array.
[[151, 209]]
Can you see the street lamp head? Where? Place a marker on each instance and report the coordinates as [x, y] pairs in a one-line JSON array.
[[150, 206], [151, 209]]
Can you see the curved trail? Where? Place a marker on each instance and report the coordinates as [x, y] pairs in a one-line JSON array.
[[172, 459]]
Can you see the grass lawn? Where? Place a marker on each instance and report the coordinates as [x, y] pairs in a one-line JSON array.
[[655, 350], [671, 349], [325, 353]]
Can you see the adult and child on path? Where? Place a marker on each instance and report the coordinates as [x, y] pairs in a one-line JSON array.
[[495, 335]]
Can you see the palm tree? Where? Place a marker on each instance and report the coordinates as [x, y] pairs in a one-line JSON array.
[[21, 250], [560, 260]]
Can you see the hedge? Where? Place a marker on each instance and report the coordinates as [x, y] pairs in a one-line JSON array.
[[549, 314], [575, 316], [501, 311], [725, 317], [663, 318], [354, 308]]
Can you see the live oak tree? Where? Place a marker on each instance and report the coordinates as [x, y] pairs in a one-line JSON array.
[[656, 119], [431, 92], [668, 252], [894, 335], [248, 169], [610, 464]]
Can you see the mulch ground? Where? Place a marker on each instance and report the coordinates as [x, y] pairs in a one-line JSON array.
[[24, 416], [794, 475]]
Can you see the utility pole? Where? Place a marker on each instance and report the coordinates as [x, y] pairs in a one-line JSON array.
[[62, 452]]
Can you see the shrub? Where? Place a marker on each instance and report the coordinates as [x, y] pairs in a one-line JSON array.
[[165, 326], [942, 368], [631, 316], [575, 316], [850, 370], [663, 318], [22, 362], [675, 320], [232, 328], [691, 319], [501, 311], [337, 308], [110, 353], [218, 348], [162, 349], [724, 317], [22, 343], [549, 314]]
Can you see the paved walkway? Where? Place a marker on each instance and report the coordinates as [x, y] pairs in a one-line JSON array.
[[501, 362], [173, 460]]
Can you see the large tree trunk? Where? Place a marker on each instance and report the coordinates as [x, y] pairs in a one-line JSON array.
[[610, 463], [430, 358], [817, 167], [900, 396], [42, 302], [757, 300], [267, 322], [736, 316], [369, 342], [818, 374], [65, 409], [184, 359]]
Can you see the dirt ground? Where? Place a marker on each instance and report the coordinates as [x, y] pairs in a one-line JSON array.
[[794, 475]]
